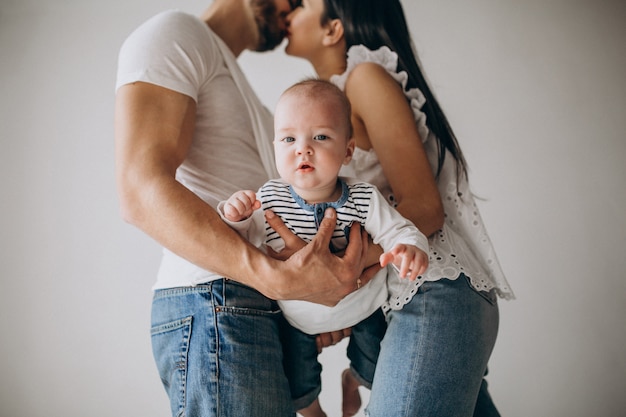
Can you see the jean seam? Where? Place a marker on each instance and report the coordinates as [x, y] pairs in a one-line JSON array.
[[216, 334], [169, 292], [488, 296], [420, 342], [246, 311], [181, 365]]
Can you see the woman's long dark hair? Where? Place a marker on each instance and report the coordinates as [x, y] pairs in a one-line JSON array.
[[377, 23]]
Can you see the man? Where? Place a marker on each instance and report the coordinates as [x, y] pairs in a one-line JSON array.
[[189, 132]]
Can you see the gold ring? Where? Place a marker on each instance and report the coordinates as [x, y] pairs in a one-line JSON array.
[[358, 283]]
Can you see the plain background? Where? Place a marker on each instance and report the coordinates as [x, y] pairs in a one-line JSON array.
[[536, 92]]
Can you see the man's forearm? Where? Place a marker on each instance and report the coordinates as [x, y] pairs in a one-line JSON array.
[[184, 224], [153, 135]]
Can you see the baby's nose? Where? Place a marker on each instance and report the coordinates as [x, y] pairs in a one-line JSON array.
[[304, 149]]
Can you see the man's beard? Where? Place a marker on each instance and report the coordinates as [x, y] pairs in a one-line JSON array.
[[270, 34]]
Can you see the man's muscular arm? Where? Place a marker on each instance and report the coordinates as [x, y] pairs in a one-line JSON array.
[[153, 133]]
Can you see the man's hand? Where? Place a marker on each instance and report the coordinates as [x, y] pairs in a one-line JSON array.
[[292, 242], [313, 273]]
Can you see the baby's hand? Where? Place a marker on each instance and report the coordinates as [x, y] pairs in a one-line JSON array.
[[241, 205], [408, 260]]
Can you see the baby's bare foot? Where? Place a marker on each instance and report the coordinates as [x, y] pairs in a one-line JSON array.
[[314, 410], [351, 398]]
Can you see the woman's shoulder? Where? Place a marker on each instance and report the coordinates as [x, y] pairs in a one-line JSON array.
[[367, 73], [367, 80], [383, 58], [364, 59]]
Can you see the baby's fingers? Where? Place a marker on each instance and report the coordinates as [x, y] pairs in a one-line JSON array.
[[419, 263], [386, 258], [241, 205]]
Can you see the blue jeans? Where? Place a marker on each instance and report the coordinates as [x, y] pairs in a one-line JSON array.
[[434, 355], [218, 351], [304, 370]]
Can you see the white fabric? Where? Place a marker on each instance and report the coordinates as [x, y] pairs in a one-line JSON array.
[[232, 143], [462, 245], [361, 203]]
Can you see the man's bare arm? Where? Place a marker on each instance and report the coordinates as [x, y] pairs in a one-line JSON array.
[[153, 133]]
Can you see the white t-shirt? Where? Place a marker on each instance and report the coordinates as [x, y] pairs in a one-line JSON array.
[[359, 202], [178, 51]]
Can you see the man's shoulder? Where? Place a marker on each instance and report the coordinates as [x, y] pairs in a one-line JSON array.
[[174, 17], [171, 46], [175, 24]]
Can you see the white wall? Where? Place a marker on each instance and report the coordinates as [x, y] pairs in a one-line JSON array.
[[536, 92]]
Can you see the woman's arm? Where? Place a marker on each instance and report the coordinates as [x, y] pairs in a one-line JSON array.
[[384, 121]]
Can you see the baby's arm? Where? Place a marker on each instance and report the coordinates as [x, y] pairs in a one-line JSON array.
[[406, 248], [409, 260], [241, 205]]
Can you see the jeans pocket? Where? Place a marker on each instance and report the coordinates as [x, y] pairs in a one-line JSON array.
[[235, 298], [489, 296], [170, 347]]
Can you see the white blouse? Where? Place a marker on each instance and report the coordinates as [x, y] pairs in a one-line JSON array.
[[462, 246]]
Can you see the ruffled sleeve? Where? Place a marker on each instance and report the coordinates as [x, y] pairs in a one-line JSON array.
[[387, 59]]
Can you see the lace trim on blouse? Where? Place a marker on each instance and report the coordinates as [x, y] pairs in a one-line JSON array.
[[462, 246]]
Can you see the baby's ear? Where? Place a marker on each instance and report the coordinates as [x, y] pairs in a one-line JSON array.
[[349, 151]]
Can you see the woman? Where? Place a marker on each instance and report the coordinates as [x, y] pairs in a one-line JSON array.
[[443, 326]]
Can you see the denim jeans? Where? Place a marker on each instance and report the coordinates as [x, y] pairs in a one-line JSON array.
[[304, 370], [218, 351], [434, 355]]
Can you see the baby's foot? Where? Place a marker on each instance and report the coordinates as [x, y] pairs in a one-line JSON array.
[[350, 390], [314, 410]]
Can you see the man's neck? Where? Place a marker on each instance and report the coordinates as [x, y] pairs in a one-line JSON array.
[[233, 22]]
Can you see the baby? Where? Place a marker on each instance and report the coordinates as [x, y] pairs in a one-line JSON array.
[[313, 139]]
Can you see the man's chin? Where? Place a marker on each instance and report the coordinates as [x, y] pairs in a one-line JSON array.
[[270, 45]]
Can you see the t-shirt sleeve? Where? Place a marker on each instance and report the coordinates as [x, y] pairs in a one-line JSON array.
[[173, 49]]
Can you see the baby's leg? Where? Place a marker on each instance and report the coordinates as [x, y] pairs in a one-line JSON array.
[[303, 371], [363, 350], [351, 403]]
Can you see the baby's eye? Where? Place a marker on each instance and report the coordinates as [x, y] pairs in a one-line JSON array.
[[288, 139], [320, 137]]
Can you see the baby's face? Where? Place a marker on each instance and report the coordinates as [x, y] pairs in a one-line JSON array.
[[311, 141]]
